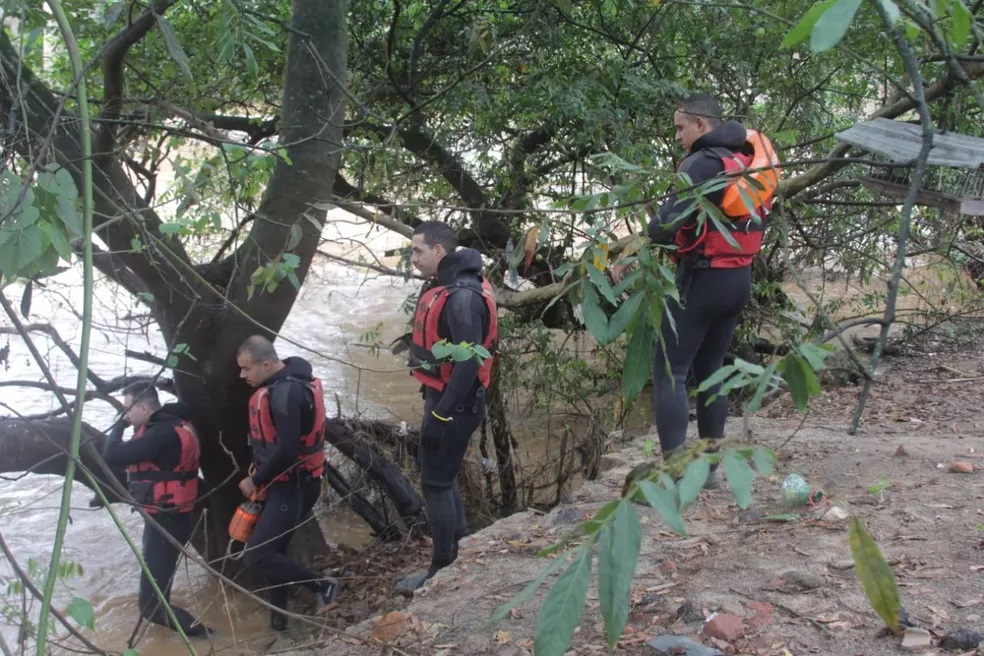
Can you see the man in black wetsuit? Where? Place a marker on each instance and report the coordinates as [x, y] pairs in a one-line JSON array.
[[161, 461], [458, 305], [714, 279], [287, 437]]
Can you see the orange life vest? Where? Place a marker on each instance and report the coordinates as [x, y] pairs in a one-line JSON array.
[[426, 322], [158, 489], [754, 191], [263, 433]]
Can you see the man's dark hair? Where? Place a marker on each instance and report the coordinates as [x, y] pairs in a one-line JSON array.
[[438, 232], [143, 391], [703, 105], [260, 349]]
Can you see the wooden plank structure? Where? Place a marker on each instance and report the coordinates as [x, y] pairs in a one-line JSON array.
[[955, 181]]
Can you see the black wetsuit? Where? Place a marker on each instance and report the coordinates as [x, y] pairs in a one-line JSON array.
[[465, 317], [161, 446], [287, 503], [712, 301]]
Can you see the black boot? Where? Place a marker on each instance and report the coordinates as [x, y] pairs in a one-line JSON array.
[[278, 621]]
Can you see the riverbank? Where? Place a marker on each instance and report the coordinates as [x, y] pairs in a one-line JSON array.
[[788, 585]]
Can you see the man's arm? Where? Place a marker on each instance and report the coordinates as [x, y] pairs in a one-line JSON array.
[[675, 212], [155, 442], [467, 316], [287, 401]]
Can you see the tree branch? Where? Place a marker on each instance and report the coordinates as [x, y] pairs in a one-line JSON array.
[[113, 83], [491, 230], [526, 146]]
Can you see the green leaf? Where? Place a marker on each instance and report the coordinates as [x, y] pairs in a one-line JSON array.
[[638, 366], [765, 383], [295, 236], [20, 251], [694, 477], [600, 281], [765, 460], [131, 652], [251, 66], [801, 379], [618, 552], [739, 476], [173, 45], [874, 573], [962, 21], [594, 317], [815, 355], [562, 609], [665, 504], [717, 378], [832, 26], [81, 611], [805, 26], [624, 315], [441, 350], [526, 593]]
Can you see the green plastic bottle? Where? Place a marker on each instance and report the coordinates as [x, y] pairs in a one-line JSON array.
[[797, 492]]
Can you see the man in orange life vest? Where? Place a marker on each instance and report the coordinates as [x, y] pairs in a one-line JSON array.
[[287, 437], [161, 461], [713, 278], [456, 304]]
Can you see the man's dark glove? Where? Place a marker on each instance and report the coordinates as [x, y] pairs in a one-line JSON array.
[[432, 430]]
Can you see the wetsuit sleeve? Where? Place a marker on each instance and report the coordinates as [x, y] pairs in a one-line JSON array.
[[159, 445], [287, 405], [467, 317], [678, 212]]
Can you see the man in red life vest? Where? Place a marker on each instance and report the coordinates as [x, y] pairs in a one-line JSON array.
[[713, 277], [287, 437], [161, 461], [456, 304]]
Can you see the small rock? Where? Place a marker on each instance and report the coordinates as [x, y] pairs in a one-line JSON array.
[[905, 619], [650, 598], [749, 516], [724, 626], [566, 516], [916, 639], [961, 639], [962, 467], [802, 578], [759, 621], [901, 452], [760, 606], [689, 613], [668, 567], [841, 565], [973, 618], [734, 607], [834, 515], [668, 645]]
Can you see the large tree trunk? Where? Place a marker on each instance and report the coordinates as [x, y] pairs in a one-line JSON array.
[[208, 307]]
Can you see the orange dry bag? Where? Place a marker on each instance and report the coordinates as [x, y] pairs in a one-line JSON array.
[[244, 520]]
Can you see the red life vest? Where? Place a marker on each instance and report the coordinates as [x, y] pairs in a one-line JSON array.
[[753, 191], [263, 433], [158, 489], [426, 322]]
